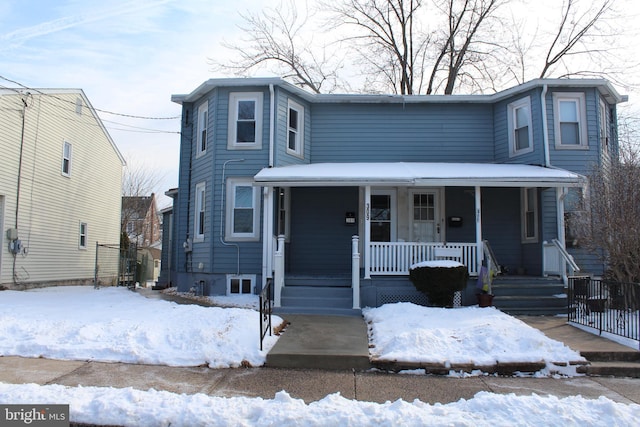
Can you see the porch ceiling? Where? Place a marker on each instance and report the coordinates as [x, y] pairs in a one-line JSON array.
[[417, 174]]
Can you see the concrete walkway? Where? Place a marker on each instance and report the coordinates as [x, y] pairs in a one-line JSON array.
[[307, 384]]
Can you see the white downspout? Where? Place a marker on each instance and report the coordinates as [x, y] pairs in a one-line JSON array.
[[545, 126], [267, 214]]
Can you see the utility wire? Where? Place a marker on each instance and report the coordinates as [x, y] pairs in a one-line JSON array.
[[96, 109]]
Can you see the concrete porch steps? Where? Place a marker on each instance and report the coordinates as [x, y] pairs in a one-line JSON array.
[[525, 295], [612, 363], [329, 295]]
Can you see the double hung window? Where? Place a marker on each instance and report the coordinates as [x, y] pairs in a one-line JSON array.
[[520, 129], [200, 210], [570, 120], [203, 121], [245, 120], [243, 210], [295, 129]]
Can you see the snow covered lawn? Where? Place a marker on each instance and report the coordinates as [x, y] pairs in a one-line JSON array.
[[117, 325], [114, 324], [411, 333]]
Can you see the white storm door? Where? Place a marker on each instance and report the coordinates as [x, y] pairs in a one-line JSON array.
[[425, 215], [383, 216]]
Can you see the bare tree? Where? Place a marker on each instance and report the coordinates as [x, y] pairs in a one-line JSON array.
[[425, 46], [574, 26], [610, 227], [277, 39], [465, 19]]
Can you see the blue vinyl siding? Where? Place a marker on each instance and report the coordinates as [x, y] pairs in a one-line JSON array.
[[397, 132], [282, 158], [320, 240]]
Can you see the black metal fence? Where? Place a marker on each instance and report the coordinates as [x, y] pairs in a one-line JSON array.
[[265, 311], [115, 265], [605, 305]]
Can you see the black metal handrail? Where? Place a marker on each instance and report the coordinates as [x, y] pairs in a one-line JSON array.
[[605, 305], [265, 310]]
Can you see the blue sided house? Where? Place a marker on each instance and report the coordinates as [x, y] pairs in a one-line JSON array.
[[332, 198]]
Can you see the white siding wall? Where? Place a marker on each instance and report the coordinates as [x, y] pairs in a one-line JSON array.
[[52, 205]]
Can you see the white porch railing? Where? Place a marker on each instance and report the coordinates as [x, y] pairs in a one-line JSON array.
[[395, 258]]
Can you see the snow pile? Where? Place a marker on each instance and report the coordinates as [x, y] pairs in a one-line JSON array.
[[117, 325], [470, 335], [130, 407]]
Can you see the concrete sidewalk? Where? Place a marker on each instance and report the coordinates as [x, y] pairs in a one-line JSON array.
[[309, 385]]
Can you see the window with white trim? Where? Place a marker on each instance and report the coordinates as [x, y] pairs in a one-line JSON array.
[[245, 120], [66, 159], [82, 241], [295, 129], [243, 210], [200, 211], [284, 197], [520, 129], [203, 120], [529, 207], [604, 127], [240, 284], [570, 120]]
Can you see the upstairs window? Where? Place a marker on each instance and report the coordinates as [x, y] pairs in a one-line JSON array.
[[570, 120], [245, 120], [520, 129], [604, 127], [82, 241], [198, 223], [66, 159], [529, 207], [295, 129], [203, 121]]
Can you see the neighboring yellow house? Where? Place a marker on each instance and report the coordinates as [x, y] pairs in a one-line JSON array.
[[60, 188]]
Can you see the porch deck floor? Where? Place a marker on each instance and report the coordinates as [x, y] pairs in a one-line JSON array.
[[322, 342]]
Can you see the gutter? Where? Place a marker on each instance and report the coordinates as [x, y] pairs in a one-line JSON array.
[[545, 126]]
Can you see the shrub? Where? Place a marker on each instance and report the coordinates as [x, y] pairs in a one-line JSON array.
[[439, 284]]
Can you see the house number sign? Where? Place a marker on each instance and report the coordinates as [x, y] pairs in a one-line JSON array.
[[367, 216]]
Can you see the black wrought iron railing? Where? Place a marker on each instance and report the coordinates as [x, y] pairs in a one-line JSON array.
[[605, 305], [265, 310]]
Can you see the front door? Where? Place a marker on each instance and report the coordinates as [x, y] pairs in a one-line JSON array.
[[383, 216], [425, 215]]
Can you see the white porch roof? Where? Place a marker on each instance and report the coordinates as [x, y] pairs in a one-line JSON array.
[[417, 174]]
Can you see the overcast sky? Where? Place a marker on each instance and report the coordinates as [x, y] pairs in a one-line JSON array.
[[129, 57]]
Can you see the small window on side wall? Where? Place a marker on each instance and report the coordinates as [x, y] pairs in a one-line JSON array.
[[82, 241], [199, 220], [529, 210], [295, 129], [203, 122], [66, 159], [520, 129]]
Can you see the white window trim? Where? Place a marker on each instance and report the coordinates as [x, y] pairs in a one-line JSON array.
[[80, 234], [286, 207], [232, 183], [523, 215], [579, 99], [299, 150], [202, 126], [603, 123], [69, 159], [251, 277], [511, 124], [234, 99], [200, 206]]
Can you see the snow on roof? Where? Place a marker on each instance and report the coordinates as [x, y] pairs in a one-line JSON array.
[[418, 174]]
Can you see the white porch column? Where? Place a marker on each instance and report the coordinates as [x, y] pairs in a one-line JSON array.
[[367, 232], [278, 279], [355, 272], [479, 244], [560, 195], [267, 234]]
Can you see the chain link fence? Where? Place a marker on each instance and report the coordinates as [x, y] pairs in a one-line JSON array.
[[115, 265]]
